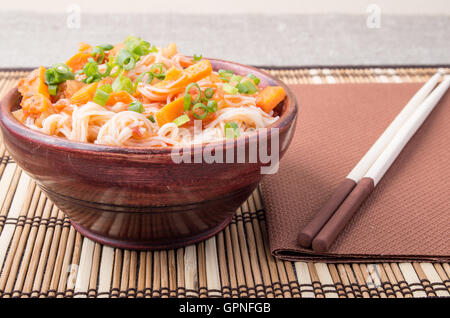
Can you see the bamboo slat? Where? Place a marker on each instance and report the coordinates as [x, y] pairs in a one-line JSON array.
[[41, 255]]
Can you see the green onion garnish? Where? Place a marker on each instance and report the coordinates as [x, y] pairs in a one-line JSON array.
[[52, 89], [232, 130], [209, 92], [151, 118], [58, 74], [126, 59], [187, 100], [235, 78], [197, 57], [247, 87], [212, 106], [137, 107], [225, 75], [202, 107], [106, 47], [102, 94], [123, 83], [199, 92], [137, 46], [255, 79], [183, 119], [161, 68], [229, 89]]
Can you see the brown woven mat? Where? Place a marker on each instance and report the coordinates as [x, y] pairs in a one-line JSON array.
[[41, 255], [407, 215]]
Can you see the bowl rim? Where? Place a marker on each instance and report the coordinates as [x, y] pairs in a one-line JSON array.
[[8, 120]]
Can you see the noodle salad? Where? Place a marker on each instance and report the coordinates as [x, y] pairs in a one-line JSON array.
[[134, 94]]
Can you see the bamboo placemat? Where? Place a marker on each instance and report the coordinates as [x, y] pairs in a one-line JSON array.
[[41, 255]]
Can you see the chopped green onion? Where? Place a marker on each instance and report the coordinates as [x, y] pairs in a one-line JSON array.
[[137, 46], [106, 88], [139, 78], [232, 130], [187, 101], [235, 78], [106, 47], [123, 83], [255, 79], [136, 106], [52, 89], [126, 59], [197, 58], [202, 107], [209, 92], [225, 75], [161, 68], [151, 118], [199, 92], [229, 89], [101, 95], [212, 106], [58, 74], [247, 87], [183, 119]]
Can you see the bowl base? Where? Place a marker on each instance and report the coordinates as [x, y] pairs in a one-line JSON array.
[[150, 245]]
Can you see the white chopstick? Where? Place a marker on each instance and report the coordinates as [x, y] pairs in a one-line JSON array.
[[312, 229], [374, 152], [387, 157], [365, 186]]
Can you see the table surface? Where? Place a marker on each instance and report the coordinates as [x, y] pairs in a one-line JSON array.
[[41, 255]]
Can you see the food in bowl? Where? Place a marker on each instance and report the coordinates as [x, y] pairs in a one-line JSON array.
[[132, 195], [133, 94]]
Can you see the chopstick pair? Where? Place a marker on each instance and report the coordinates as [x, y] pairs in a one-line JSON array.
[[320, 233]]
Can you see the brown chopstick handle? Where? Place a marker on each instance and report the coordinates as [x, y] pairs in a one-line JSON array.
[[342, 216], [315, 225]]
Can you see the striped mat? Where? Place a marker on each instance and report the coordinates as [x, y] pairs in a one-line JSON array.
[[41, 255]]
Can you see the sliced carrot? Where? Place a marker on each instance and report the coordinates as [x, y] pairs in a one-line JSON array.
[[34, 83], [169, 51], [169, 112], [84, 47], [270, 97], [198, 71], [193, 73], [77, 61], [36, 104], [121, 96], [84, 95]]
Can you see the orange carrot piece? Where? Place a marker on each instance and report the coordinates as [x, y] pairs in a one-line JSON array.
[[84, 95], [270, 97], [193, 73], [169, 112], [121, 96], [84, 47], [36, 104], [198, 71], [34, 83], [77, 61], [169, 51]]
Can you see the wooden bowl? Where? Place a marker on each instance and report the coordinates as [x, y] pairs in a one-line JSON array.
[[140, 198]]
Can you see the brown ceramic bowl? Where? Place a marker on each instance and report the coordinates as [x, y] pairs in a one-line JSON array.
[[139, 198]]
